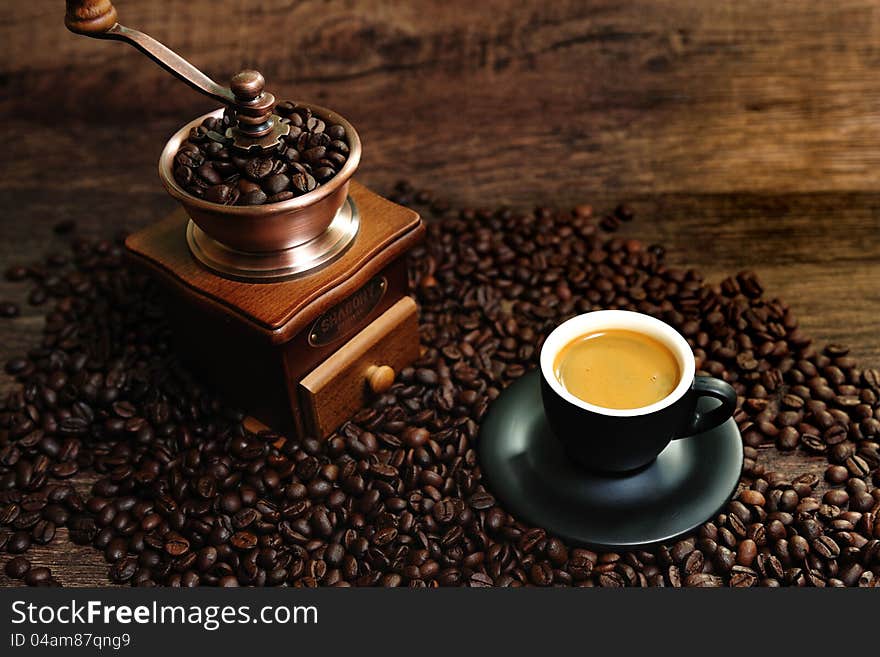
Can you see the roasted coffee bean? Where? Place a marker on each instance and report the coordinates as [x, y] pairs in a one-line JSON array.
[[16, 366], [336, 132], [209, 174], [681, 550], [189, 156], [836, 474], [258, 168], [17, 567], [184, 175], [836, 497], [115, 548], [770, 566], [580, 567], [43, 532], [530, 540], [857, 466], [302, 183], [704, 580], [325, 173], [693, 563], [38, 576], [826, 548], [753, 497], [724, 559], [82, 529], [444, 511], [315, 154], [482, 500], [285, 195], [736, 525], [176, 546], [798, 548], [743, 577], [243, 540], [9, 513], [746, 552], [387, 535], [276, 183], [123, 570], [611, 580], [222, 194], [788, 500], [813, 443], [673, 576], [9, 309], [254, 197], [541, 574], [19, 542]]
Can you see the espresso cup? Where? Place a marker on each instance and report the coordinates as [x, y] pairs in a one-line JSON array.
[[619, 440]]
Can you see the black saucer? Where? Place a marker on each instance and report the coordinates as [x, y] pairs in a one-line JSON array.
[[527, 469]]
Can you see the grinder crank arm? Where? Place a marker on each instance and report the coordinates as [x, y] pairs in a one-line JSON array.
[[99, 19]]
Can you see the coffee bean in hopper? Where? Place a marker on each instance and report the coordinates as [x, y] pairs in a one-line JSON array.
[[208, 166]]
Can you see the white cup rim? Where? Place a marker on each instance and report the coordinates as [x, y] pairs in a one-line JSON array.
[[622, 320]]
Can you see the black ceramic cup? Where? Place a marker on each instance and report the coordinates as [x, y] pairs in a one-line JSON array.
[[620, 440]]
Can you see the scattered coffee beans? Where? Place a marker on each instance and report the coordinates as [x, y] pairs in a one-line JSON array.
[[185, 495], [9, 309], [209, 166]]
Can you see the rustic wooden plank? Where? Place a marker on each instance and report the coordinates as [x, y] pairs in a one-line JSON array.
[[743, 133], [680, 95], [817, 251]]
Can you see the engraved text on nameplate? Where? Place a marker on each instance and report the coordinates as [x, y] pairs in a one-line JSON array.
[[344, 317]]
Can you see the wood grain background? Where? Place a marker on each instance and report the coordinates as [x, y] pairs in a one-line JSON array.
[[718, 114], [572, 96], [745, 133]]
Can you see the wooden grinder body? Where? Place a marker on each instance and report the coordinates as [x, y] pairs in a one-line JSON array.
[[297, 354]]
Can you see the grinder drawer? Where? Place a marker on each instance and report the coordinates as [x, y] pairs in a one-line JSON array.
[[360, 368]]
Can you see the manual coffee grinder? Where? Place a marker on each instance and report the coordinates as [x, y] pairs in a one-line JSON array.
[[296, 310]]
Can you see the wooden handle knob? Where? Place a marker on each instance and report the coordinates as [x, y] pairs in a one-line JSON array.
[[247, 85], [253, 106], [90, 17], [380, 378]]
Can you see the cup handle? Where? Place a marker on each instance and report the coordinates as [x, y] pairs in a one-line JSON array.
[[708, 386]]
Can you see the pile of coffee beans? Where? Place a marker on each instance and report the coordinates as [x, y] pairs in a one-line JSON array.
[[209, 167], [106, 440]]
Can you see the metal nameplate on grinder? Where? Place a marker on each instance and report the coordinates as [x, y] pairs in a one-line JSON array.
[[345, 317]]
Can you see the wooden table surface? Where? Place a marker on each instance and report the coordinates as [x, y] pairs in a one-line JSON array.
[[745, 134]]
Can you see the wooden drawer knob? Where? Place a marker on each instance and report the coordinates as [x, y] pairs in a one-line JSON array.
[[380, 378]]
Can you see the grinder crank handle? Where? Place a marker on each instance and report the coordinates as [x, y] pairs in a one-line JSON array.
[[98, 19], [253, 107]]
